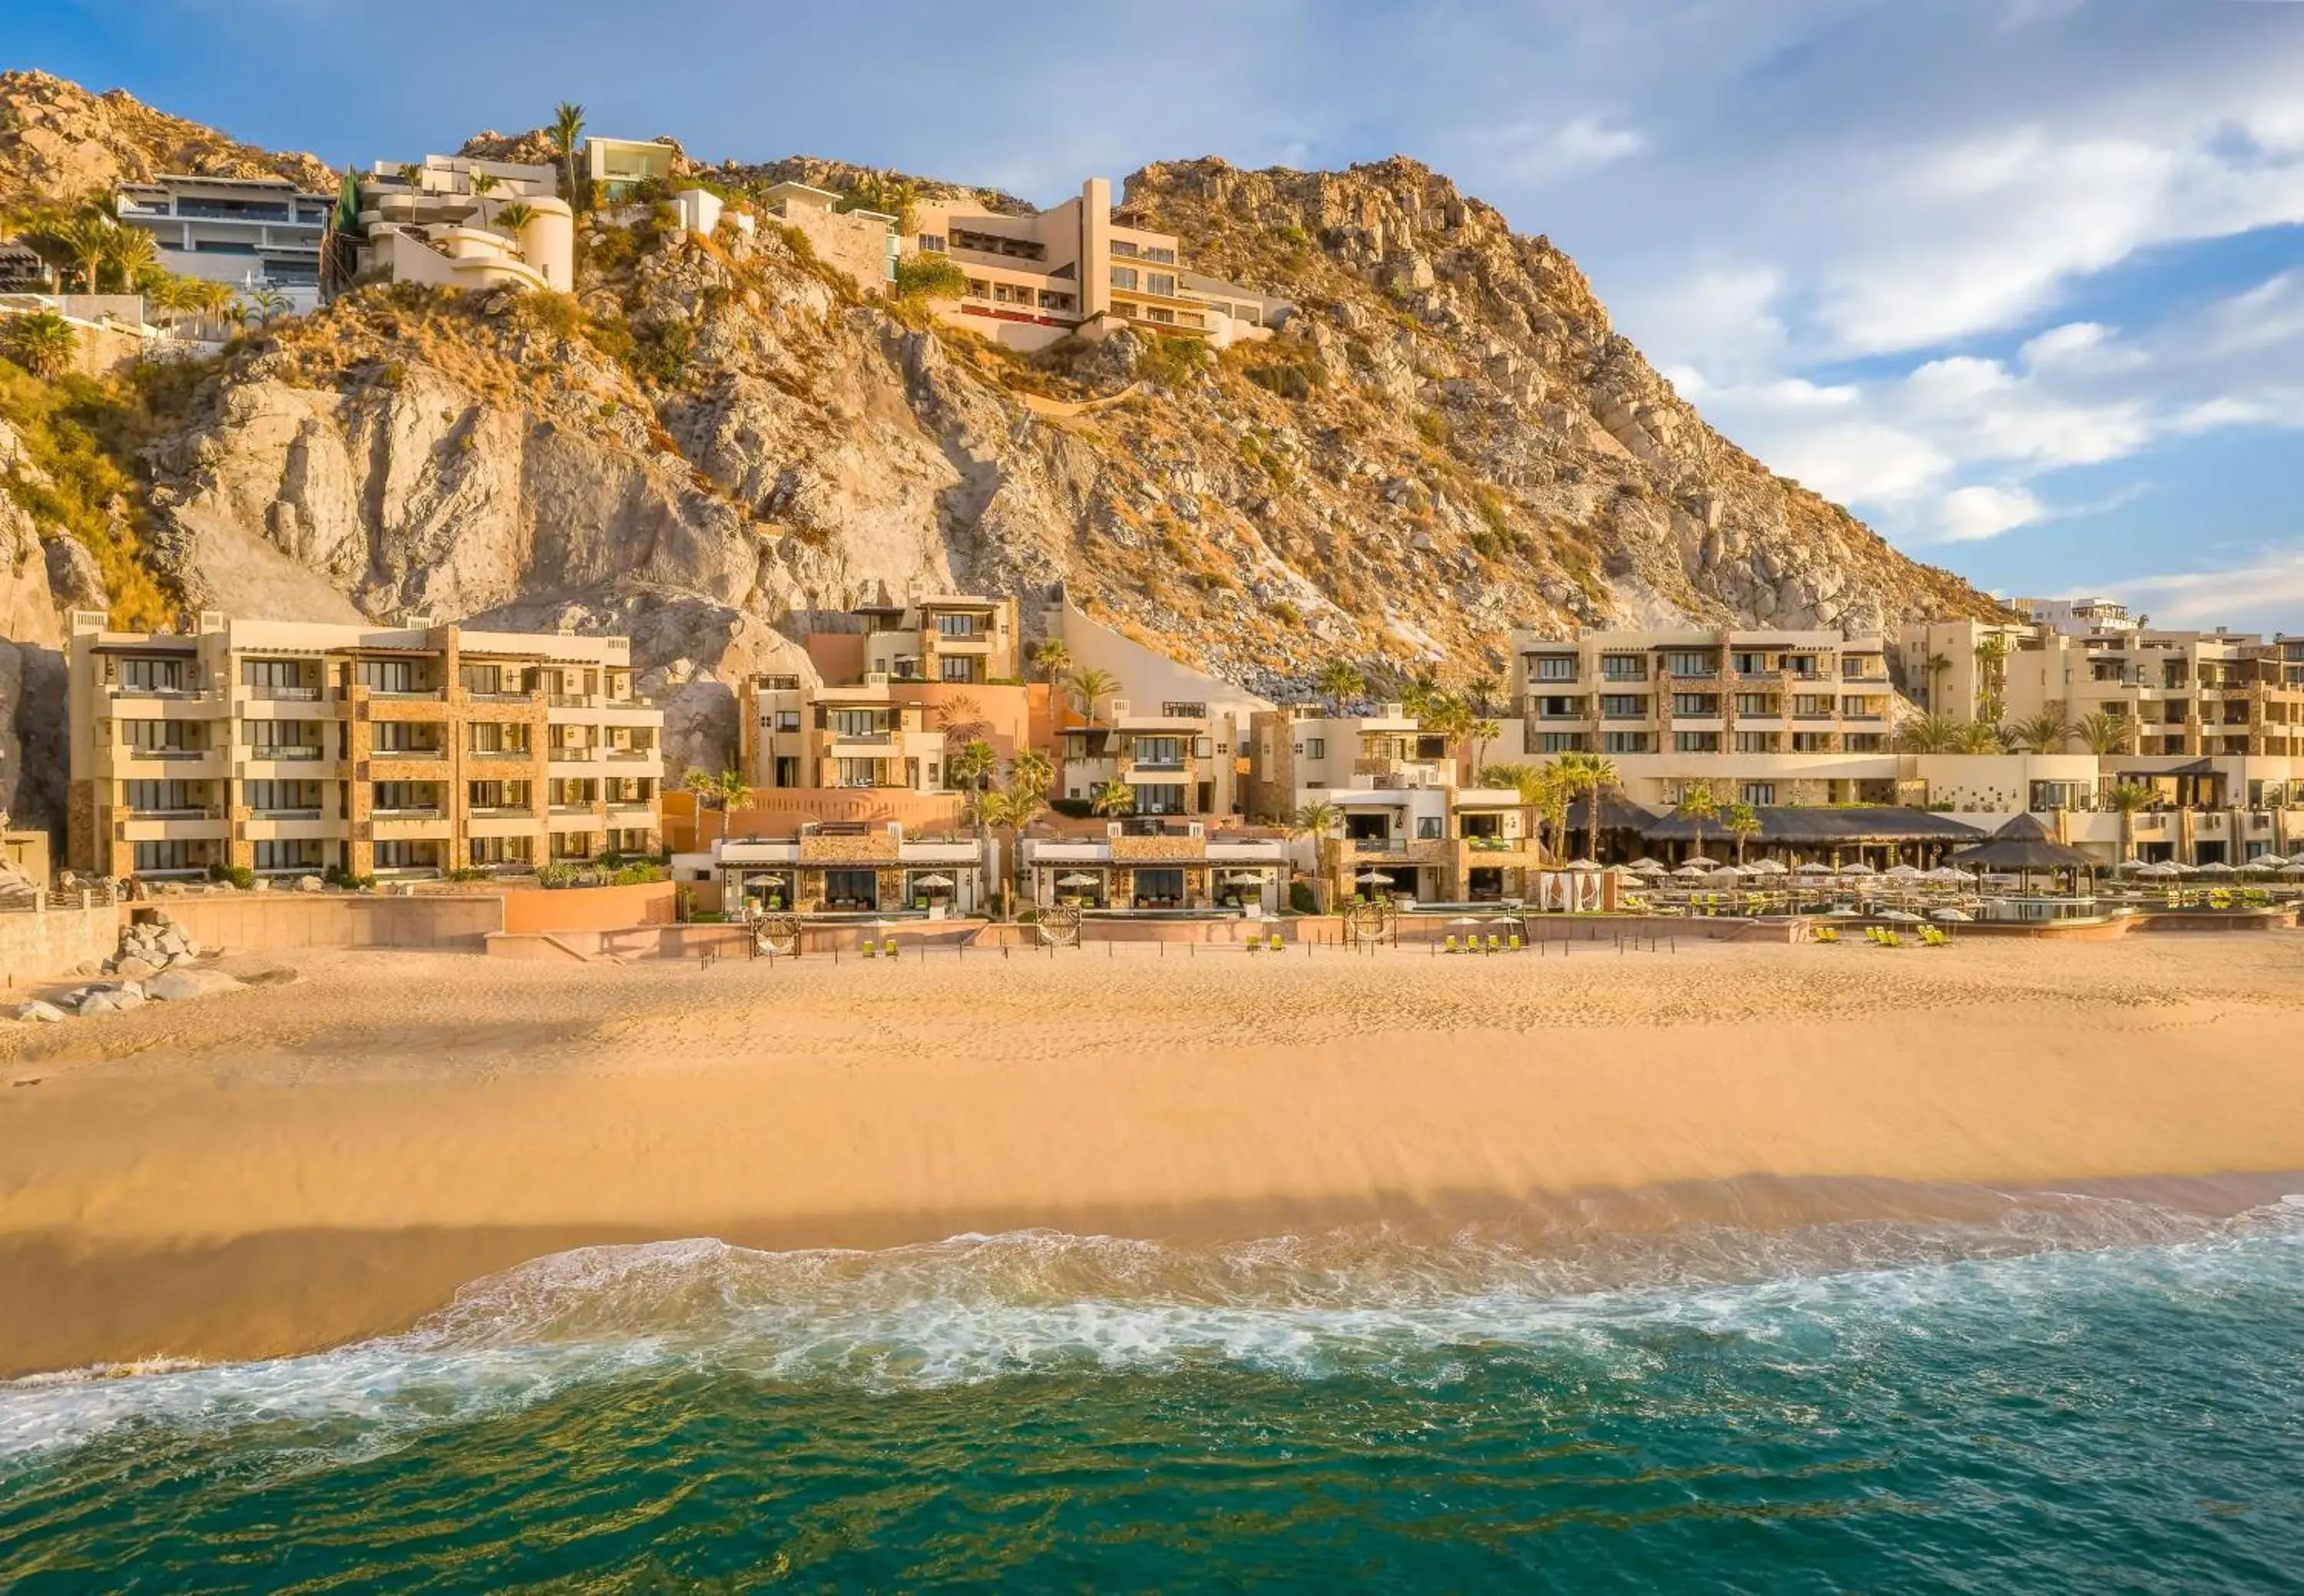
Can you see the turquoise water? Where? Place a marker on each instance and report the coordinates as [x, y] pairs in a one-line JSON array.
[[2085, 1397]]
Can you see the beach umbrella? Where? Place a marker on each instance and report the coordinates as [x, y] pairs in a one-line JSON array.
[[1076, 880], [1371, 876], [1858, 867], [2292, 869], [932, 881], [1620, 869], [1581, 864], [1692, 871], [1944, 872], [1897, 914], [1645, 866], [2130, 864], [2214, 867], [1953, 914], [1844, 910], [1698, 859], [1902, 872], [1468, 920], [1767, 867]]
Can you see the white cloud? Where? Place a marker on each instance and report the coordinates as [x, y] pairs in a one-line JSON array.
[[2270, 587], [1983, 511], [1534, 153]]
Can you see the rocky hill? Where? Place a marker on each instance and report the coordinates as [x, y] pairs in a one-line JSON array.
[[59, 143], [716, 436]]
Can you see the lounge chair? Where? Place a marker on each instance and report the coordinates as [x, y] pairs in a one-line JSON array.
[[871, 948], [1495, 944], [1452, 946], [1274, 943], [889, 948], [1515, 942]]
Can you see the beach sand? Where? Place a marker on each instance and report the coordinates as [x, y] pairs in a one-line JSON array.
[[289, 1165]]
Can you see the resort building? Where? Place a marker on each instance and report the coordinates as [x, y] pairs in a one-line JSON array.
[[1153, 863], [848, 868], [2076, 617], [253, 232], [442, 222], [295, 747], [1074, 270], [617, 165], [898, 687], [1174, 735]]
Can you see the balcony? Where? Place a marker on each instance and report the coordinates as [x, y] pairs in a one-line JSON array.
[[569, 701], [632, 753], [421, 812], [505, 753], [412, 695], [166, 695], [283, 814], [267, 694], [408, 753], [502, 811], [287, 751], [586, 809], [1379, 847]]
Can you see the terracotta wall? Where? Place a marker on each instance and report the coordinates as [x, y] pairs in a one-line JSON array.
[[588, 908], [269, 920]]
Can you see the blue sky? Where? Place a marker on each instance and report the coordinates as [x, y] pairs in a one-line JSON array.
[[2022, 281]]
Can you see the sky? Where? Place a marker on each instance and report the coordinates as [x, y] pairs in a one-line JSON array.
[[2020, 281]]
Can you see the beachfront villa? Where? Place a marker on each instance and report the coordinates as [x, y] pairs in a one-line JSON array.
[[1152, 865], [835, 868], [296, 748], [1073, 271], [616, 166], [442, 222], [253, 232], [863, 243]]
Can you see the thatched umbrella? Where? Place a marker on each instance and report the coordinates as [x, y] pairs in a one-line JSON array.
[[2023, 845]]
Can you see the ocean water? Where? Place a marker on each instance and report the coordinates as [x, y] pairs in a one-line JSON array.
[[2084, 1395]]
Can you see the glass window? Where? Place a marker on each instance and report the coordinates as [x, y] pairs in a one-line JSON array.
[[1559, 741], [1702, 705], [163, 736], [386, 676], [957, 667], [1624, 706], [1555, 667], [787, 720], [1624, 741], [1695, 743], [1624, 667], [1761, 793], [1160, 283], [1316, 748], [1690, 664], [1165, 799], [857, 723], [156, 675], [1123, 277], [1427, 827]]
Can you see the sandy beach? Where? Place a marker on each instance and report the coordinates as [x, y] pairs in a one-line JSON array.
[[289, 1166]]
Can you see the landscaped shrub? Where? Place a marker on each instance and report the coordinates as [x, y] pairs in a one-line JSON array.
[[931, 276]]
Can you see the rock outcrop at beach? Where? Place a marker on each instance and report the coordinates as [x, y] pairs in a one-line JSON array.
[[717, 437]]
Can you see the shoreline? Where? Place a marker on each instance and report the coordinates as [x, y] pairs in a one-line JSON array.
[[293, 1166]]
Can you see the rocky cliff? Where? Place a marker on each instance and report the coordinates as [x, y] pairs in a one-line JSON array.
[[59, 143], [717, 437]]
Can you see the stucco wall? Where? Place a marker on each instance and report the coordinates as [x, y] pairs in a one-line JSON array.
[[588, 908], [34, 947], [288, 920]]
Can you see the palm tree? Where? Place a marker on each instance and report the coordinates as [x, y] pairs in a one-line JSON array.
[[42, 343], [724, 790], [1588, 776], [1485, 731], [1550, 795], [1030, 767], [130, 252], [1979, 736], [514, 217], [1482, 691], [1696, 805], [2043, 732], [1932, 733], [1090, 686], [1051, 658], [266, 303], [1416, 695], [1012, 808], [87, 240], [971, 769], [567, 127], [1742, 822], [1934, 665], [2127, 797], [1323, 822], [2102, 733], [412, 174], [1991, 668], [1115, 798], [485, 183], [1449, 717], [1339, 680]]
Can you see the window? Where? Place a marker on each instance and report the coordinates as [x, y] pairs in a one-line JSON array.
[[150, 797], [1623, 667], [1173, 710], [1159, 282], [1758, 703], [1750, 664], [787, 720], [1161, 752], [279, 797], [1756, 742], [156, 675], [1623, 742], [1560, 708], [1700, 705], [496, 795], [497, 736], [1123, 277], [274, 678], [1812, 705], [1681, 663], [1125, 248], [164, 737], [930, 243], [400, 855], [399, 736], [1316, 748], [858, 723], [957, 667], [164, 856], [1555, 667], [300, 854], [1050, 299], [1161, 800], [1559, 741], [400, 797], [386, 676], [1427, 827], [1761, 794], [501, 850], [856, 773], [1695, 743]]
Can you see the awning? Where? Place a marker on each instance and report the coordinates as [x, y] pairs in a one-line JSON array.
[[1825, 827], [2023, 844]]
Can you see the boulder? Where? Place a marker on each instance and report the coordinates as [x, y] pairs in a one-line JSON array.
[[182, 986], [98, 1003], [134, 967], [46, 1013]]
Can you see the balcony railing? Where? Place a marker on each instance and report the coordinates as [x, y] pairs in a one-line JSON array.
[[124, 690], [270, 693], [573, 809], [503, 753], [502, 811], [283, 814], [186, 812], [632, 753], [562, 754], [409, 754], [286, 750], [571, 701], [1379, 845], [133, 752], [410, 694], [422, 811]]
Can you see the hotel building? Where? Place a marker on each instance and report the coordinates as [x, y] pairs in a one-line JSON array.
[[293, 747], [1408, 827], [899, 684], [847, 868], [1156, 864], [1071, 270], [1754, 708], [249, 231]]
